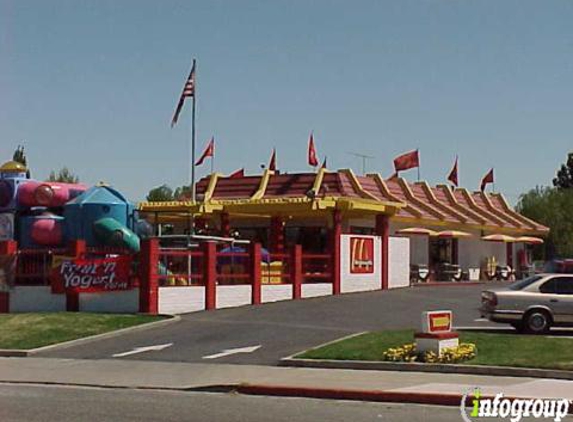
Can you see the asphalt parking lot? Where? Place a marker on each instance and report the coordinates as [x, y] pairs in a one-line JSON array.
[[276, 330]]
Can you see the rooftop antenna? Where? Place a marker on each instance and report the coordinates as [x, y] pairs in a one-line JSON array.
[[364, 158]]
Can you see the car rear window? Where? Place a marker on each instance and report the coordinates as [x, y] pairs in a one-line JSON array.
[[522, 284]]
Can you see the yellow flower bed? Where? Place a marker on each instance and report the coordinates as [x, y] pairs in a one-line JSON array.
[[408, 353]]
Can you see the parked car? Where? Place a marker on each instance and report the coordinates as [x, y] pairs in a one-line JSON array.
[[531, 305]]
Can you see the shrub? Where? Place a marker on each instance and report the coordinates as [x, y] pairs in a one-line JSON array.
[[408, 353]]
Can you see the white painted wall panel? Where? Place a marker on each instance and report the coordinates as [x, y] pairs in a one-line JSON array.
[[181, 300], [116, 302], [419, 250], [36, 299], [419, 245], [472, 252], [275, 292], [350, 282], [399, 262], [232, 296], [316, 289], [360, 285]]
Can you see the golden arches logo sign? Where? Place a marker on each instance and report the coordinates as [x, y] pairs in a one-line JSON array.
[[361, 255]]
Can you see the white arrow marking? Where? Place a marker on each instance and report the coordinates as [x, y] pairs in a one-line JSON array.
[[228, 352], [143, 349]]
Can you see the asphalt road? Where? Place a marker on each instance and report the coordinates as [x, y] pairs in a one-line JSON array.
[[24, 403], [284, 328]]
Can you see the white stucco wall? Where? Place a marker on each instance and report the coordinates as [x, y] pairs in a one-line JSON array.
[[419, 245], [398, 262], [233, 296], [275, 292], [180, 300], [350, 282], [316, 289], [116, 302], [473, 251], [419, 250], [36, 299]]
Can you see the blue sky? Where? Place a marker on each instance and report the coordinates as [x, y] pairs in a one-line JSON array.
[[93, 84]]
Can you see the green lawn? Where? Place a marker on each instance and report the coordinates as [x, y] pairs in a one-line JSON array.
[[493, 349], [27, 331]]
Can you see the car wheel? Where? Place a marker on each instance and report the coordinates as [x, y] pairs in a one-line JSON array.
[[537, 322]]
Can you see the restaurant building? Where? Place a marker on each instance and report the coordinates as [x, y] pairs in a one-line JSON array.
[[454, 234]]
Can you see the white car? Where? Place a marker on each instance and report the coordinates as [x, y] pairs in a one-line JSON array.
[[532, 305]]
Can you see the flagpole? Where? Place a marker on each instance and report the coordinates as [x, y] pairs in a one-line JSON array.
[[193, 135]]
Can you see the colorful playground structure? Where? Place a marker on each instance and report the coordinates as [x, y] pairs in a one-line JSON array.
[[40, 214]]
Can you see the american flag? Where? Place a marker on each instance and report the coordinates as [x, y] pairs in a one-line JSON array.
[[188, 91]]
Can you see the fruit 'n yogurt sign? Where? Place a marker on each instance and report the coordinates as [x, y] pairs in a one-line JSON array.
[[92, 275]]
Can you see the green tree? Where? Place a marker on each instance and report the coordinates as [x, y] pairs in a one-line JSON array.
[[564, 177], [64, 175], [182, 193], [161, 193], [552, 208], [20, 156]]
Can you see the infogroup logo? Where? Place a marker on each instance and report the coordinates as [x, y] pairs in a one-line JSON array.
[[513, 409]]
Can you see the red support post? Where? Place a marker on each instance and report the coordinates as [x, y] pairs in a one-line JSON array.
[[256, 273], [336, 254], [509, 253], [210, 274], [77, 249], [149, 281], [383, 230], [225, 225], [296, 271], [8, 248], [277, 244]]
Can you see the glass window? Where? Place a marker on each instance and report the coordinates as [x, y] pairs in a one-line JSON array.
[[558, 285], [522, 284], [549, 286]]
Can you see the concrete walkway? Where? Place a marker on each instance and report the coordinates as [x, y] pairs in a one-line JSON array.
[[311, 382]]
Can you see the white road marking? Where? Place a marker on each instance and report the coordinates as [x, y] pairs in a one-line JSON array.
[[143, 349], [481, 320], [228, 352]]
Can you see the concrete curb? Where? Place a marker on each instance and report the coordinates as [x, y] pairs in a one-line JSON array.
[[83, 340], [386, 396], [427, 367], [357, 395], [449, 283]]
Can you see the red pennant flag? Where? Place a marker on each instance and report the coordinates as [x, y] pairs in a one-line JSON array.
[[237, 174], [188, 91], [273, 162], [209, 152], [312, 160], [324, 163], [453, 175], [407, 161], [488, 178]]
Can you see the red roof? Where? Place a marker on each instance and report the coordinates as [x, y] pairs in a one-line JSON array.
[[420, 201]]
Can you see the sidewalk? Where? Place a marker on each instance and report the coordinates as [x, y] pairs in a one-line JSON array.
[[269, 380]]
